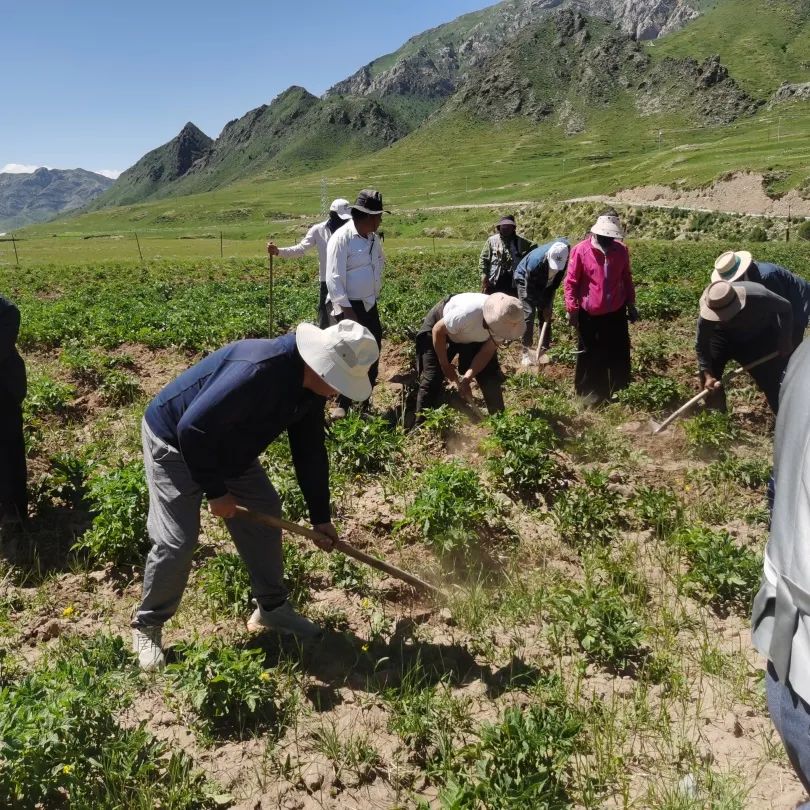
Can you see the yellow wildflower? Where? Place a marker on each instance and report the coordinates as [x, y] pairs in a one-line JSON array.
[[364, 648], [67, 769], [67, 613], [265, 676]]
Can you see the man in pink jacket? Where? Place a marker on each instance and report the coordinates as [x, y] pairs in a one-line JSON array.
[[600, 299]]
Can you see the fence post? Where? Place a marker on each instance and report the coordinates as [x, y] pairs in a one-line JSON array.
[[16, 255], [138, 243], [221, 254]]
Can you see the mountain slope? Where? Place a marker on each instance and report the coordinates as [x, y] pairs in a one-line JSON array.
[[42, 195]]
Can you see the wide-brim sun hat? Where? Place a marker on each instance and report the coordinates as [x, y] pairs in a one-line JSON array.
[[732, 265], [608, 225], [341, 355], [557, 256], [369, 201], [721, 301], [343, 208], [504, 316]]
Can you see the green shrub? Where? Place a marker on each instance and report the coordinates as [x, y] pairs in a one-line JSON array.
[[66, 481], [803, 231], [751, 473], [728, 574], [450, 506], [225, 584], [61, 744], [229, 691], [653, 394], [589, 513], [757, 234], [119, 501], [347, 574], [665, 302], [441, 420], [521, 761], [711, 430], [657, 509], [46, 396], [363, 444], [119, 388]]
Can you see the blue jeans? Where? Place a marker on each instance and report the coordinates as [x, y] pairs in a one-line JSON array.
[[791, 718]]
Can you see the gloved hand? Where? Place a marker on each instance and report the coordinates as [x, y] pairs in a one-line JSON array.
[[632, 313]]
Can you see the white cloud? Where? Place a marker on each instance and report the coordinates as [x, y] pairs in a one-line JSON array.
[[113, 174], [20, 168]]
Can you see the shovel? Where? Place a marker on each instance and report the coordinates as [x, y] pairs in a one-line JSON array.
[[540, 353], [342, 546], [656, 428]]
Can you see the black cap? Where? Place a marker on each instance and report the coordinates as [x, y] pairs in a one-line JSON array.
[[369, 201]]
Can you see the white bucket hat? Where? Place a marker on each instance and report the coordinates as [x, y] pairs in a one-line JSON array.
[[732, 265], [721, 301], [557, 256], [504, 316], [341, 355], [608, 225], [343, 208]]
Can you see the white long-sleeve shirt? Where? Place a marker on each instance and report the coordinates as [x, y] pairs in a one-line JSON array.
[[354, 266], [317, 236]]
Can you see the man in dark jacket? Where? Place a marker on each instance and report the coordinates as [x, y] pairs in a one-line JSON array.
[[537, 277], [743, 322], [13, 491], [500, 256], [202, 436]]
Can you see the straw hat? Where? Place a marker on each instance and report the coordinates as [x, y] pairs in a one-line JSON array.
[[504, 316], [341, 355], [608, 225], [343, 208], [732, 265], [721, 301]]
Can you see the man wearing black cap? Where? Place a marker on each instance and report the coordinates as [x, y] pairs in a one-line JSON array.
[[354, 267], [500, 256]]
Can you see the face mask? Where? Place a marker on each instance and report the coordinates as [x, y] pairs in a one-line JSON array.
[[604, 241]]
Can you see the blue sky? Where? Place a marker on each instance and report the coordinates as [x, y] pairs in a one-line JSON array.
[[98, 84]]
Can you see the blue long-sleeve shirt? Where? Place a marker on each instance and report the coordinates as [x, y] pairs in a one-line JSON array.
[[224, 411], [789, 286], [532, 273]]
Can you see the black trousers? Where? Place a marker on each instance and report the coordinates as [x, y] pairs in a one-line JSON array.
[[431, 376], [768, 376], [603, 364], [325, 317], [371, 320], [13, 472]]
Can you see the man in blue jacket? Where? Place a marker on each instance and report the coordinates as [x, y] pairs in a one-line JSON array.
[[13, 491], [202, 436], [740, 266], [537, 277]]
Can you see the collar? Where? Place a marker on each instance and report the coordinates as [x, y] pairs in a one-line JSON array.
[[596, 246]]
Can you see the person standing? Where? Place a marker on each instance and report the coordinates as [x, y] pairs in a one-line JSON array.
[[743, 321], [317, 237], [537, 277], [780, 617], [600, 300], [354, 268], [740, 266], [202, 437], [13, 471], [472, 326], [500, 256]]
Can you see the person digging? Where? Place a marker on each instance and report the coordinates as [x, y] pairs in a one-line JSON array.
[[744, 322], [470, 326], [537, 277], [202, 436]]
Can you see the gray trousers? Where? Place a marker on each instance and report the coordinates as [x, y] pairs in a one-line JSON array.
[[530, 312], [791, 718], [175, 500]]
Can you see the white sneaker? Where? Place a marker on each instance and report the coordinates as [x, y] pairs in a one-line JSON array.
[[146, 644], [337, 413], [283, 620], [525, 359]]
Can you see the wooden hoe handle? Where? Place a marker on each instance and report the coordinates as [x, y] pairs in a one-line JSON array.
[[340, 545]]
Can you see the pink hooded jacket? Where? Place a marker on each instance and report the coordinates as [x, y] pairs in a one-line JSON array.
[[597, 282]]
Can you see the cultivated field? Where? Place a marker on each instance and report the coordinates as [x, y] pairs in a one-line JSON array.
[[595, 648]]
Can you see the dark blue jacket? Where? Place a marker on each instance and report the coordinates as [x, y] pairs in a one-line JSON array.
[[224, 411], [789, 286], [12, 367], [532, 273]]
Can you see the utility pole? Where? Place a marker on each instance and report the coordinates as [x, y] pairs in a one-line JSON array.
[[324, 198]]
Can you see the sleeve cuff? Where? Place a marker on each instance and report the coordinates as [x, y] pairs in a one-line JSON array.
[[215, 490]]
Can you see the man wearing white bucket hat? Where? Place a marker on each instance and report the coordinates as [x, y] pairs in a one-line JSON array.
[[472, 326], [318, 237], [743, 321], [600, 300], [202, 437], [739, 265]]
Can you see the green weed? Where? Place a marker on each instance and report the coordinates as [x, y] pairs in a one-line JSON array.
[[712, 431], [225, 584], [363, 444], [653, 394], [351, 754], [589, 513], [348, 575], [442, 420], [657, 509]]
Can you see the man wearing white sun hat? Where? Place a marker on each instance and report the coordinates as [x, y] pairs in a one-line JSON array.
[[202, 437], [740, 265], [318, 237]]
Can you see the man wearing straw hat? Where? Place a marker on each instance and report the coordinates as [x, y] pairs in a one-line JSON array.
[[500, 256], [202, 437], [472, 326], [743, 321], [318, 237], [600, 299], [739, 265]]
